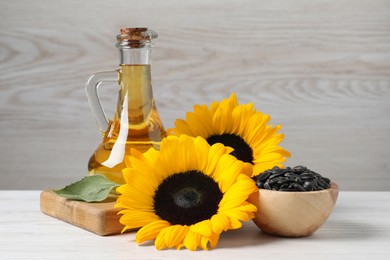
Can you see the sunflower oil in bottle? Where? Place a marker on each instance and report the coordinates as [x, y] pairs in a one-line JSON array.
[[136, 123]]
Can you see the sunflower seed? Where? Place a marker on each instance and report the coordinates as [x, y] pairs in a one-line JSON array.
[[289, 174], [276, 174], [299, 169], [291, 178], [323, 184], [267, 186], [308, 186], [260, 185], [272, 181], [291, 185], [306, 175], [298, 178], [264, 176], [298, 187]]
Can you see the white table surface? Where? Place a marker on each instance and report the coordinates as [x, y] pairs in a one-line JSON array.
[[358, 228]]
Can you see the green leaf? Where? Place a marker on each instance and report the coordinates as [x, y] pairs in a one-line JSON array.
[[90, 189]]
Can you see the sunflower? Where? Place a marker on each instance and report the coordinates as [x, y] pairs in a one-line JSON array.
[[186, 194], [238, 126]]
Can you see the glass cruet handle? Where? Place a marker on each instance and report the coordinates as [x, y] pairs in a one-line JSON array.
[[91, 87]]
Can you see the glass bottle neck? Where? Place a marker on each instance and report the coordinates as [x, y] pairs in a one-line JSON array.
[[135, 56], [135, 45]]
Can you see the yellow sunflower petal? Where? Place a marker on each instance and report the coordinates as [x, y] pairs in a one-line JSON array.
[[244, 212], [202, 152], [172, 236], [269, 137], [177, 236], [222, 117], [229, 168], [242, 114], [231, 103], [135, 201], [123, 188], [203, 114], [181, 128], [136, 219], [214, 240], [222, 121], [178, 154], [169, 149], [214, 155], [213, 107], [220, 222], [135, 181], [218, 122], [273, 149], [150, 157], [259, 168], [143, 177], [151, 231], [127, 160], [235, 224], [200, 122], [188, 152], [132, 197], [237, 193], [129, 173], [192, 240], [204, 242], [204, 228], [195, 125], [255, 127]]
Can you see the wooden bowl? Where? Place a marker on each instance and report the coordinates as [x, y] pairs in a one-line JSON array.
[[293, 214]]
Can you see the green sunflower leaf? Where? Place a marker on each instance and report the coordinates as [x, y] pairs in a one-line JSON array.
[[89, 189]]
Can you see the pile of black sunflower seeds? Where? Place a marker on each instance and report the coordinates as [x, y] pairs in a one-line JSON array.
[[298, 178]]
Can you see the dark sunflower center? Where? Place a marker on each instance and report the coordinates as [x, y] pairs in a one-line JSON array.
[[242, 151], [187, 198]]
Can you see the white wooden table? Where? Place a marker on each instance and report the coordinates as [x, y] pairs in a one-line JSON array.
[[359, 228]]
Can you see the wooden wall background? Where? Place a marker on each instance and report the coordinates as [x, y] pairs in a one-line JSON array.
[[319, 68]]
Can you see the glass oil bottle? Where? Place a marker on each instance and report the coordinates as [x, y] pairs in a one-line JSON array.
[[136, 123]]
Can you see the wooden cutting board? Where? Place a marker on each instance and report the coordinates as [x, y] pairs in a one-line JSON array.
[[100, 218]]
